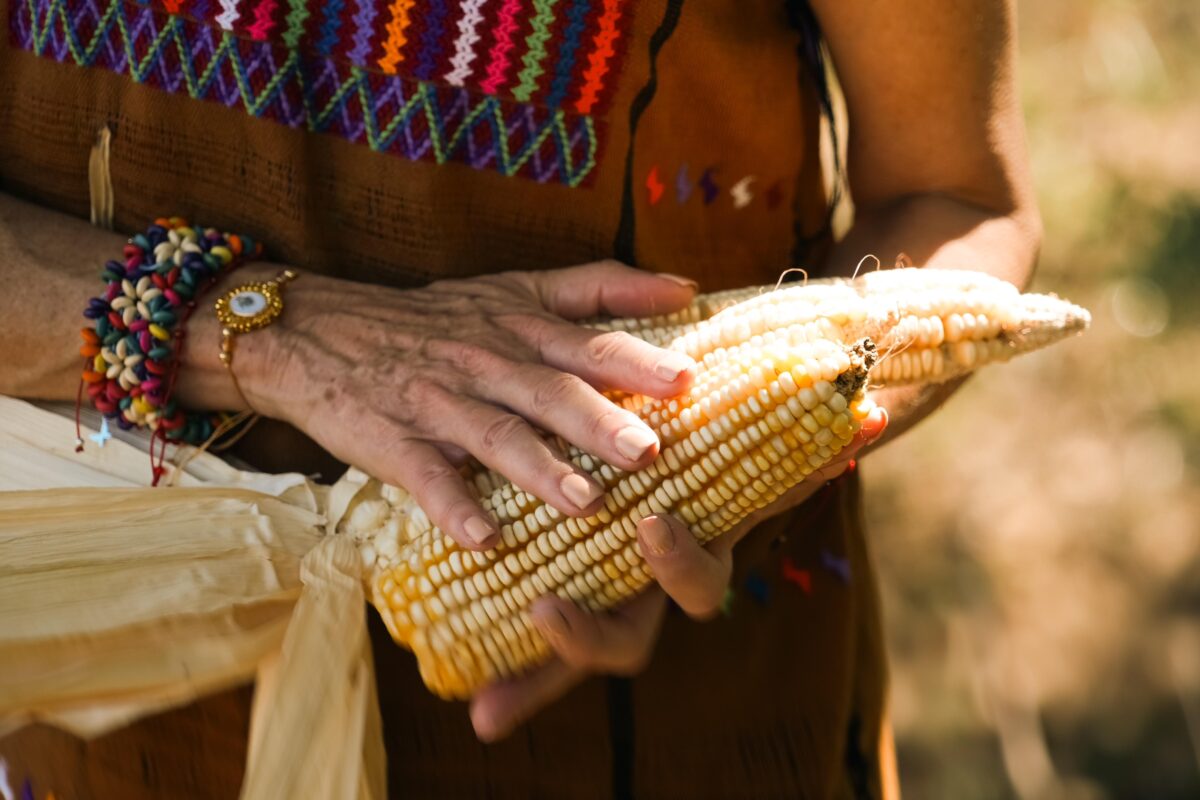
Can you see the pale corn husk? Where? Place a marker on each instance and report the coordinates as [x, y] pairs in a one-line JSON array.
[[125, 593], [38, 452], [117, 602], [322, 683]]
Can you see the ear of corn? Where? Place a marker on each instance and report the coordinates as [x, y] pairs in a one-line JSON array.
[[780, 390], [929, 325]]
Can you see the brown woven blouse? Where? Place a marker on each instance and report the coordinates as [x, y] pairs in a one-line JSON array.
[[399, 141]]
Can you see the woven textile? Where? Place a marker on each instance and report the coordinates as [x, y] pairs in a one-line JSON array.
[[497, 85]]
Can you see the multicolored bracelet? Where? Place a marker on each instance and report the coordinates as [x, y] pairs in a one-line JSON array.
[[132, 352]]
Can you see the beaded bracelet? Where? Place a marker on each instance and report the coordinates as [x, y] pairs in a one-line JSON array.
[[132, 352]]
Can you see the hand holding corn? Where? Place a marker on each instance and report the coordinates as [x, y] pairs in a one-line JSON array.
[[407, 384], [779, 393], [621, 640]]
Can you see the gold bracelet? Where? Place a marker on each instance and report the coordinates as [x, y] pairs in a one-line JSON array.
[[249, 307]]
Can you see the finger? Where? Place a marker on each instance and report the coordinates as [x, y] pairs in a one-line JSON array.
[[500, 707], [611, 288], [452, 453], [610, 359], [873, 427], [619, 642], [693, 577], [508, 444], [566, 405], [437, 487]]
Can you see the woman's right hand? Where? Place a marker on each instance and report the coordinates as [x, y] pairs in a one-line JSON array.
[[405, 384]]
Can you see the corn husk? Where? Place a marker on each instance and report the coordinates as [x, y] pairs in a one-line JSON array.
[[117, 602], [323, 682]]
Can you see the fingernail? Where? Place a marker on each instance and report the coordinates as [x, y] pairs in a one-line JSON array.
[[479, 530], [633, 442], [658, 535], [884, 414], [579, 490], [672, 366], [679, 280], [552, 623]]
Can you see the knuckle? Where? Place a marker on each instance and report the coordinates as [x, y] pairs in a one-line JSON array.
[[502, 432], [439, 286], [704, 609], [417, 398], [579, 652], [611, 265], [553, 392], [633, 662], [472, 359], [526, 326], [430, 476], [514, 277], [605, 424], [605, 348]]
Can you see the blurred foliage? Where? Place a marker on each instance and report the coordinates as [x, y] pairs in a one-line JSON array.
[[1043, 602]]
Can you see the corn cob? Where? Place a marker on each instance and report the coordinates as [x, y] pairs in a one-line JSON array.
[[780, 390], [961, 321]]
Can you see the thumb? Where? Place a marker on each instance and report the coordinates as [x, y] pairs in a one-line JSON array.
[[613, 289], [692, 576]]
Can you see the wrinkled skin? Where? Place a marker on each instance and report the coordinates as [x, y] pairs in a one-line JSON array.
[[405, 384]]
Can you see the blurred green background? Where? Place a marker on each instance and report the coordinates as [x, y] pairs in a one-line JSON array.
[[1042, 598]]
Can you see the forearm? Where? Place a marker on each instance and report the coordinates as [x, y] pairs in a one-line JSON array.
[[49, 267], [945, 233], [941, 231]]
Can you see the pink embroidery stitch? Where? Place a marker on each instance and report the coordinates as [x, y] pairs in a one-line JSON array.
[[262, 20], [506, 27]]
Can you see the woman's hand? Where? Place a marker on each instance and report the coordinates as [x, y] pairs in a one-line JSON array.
[[621, 641], [405, 384]]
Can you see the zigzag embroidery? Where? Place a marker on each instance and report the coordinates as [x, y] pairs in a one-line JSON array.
[[536, 52], [557, 52], [577, 15], [606, 48], [229, 15], [329, 29], [506, 26], [396, 36], [295, 23], [464, 47], [363, 32], [412, 119], [262, 20], [434, 20]]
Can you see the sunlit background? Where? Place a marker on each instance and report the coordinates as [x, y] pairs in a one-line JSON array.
[[1039, 541]]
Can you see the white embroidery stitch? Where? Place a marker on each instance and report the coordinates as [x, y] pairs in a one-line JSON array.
[[464, 46], [740, 192]]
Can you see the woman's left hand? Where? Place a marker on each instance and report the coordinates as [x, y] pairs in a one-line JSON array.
[[621, 641]]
